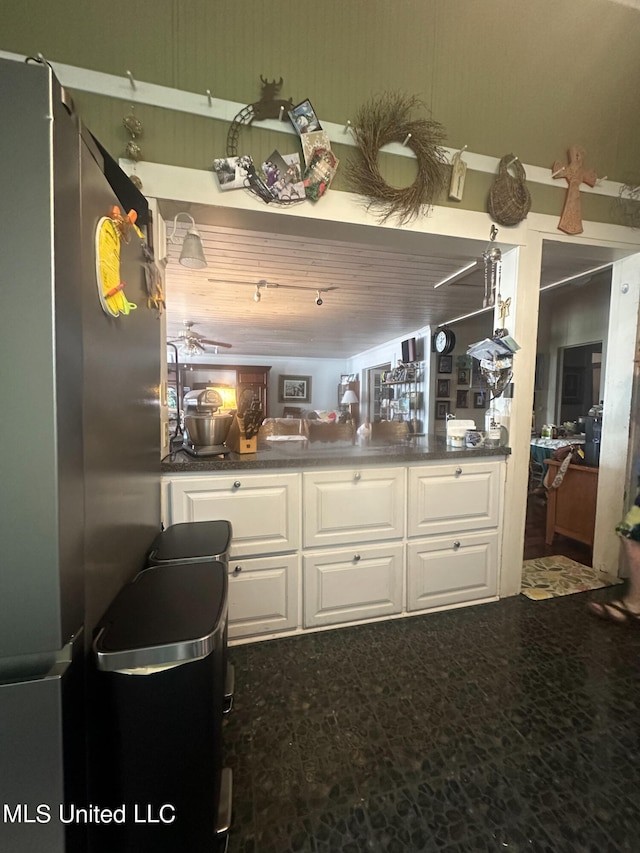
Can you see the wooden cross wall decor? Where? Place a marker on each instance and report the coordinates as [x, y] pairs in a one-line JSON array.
[[575, 174]]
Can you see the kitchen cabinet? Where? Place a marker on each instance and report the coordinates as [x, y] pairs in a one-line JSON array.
[[337, 545], [454, 496], [353, 505], [263, 595], [352, 584], [264, 565], [452, 569], [455, 508], [251, 379], [264, 509]]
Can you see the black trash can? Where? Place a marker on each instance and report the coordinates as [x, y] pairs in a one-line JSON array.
[[190, 542], [193, 542], [159, 671]]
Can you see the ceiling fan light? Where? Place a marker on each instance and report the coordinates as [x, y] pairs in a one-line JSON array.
[[192, 254]]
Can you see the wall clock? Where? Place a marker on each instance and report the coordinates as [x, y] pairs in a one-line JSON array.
[[444, 341]]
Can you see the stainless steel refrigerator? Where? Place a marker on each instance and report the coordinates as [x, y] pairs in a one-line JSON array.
[[79, 465]]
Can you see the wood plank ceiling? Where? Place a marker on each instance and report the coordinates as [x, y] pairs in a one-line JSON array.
[[383, 290]]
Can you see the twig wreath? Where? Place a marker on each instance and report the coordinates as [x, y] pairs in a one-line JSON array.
[[388, 119]]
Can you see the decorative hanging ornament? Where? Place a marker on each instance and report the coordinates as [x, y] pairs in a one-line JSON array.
[[492, 257], [133, 151], [509, 199], [574, 174], [389, 119]]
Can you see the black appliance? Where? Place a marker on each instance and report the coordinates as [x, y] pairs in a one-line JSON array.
[[593, 434], [80, 496], [159, 654]]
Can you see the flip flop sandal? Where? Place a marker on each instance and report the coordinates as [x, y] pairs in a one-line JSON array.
[[603, 611]]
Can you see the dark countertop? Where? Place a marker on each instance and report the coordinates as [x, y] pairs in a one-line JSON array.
[[325, 454]]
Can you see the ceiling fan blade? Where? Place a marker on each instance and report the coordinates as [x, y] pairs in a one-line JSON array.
[[215, 343]]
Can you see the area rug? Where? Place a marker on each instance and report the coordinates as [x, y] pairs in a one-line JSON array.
[[548, 577]]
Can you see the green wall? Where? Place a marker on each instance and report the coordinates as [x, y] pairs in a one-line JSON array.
[[500, 76]]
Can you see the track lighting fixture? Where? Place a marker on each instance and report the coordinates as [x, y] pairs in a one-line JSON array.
[[257, 294]]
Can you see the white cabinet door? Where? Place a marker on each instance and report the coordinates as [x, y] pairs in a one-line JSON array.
[[353, 505], [454, 496], [264, 509], [452, 569], [263, 595], [348, 585]]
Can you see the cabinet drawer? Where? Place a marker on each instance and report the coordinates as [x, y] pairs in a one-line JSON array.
[[452, 569], [353, 505], [263, 595], [456, 496], [264, 509], [352, 584]]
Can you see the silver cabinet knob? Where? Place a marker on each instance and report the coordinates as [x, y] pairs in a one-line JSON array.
[[456, 545], [356, 557], [458, 471], [237, 484], [356, 476], [237, 570]]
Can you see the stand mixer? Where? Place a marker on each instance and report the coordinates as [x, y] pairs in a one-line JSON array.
[[206, 423]]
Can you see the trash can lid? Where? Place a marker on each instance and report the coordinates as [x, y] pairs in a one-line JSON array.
[[191, 540], [166, 616]]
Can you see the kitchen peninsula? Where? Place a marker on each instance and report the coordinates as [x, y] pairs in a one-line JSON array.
[[327, 535]]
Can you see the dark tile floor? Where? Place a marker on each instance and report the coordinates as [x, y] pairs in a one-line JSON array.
[[507, 726]]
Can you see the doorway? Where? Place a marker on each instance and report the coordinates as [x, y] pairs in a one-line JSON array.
[[375, 402], [580, 381], [571, 348]]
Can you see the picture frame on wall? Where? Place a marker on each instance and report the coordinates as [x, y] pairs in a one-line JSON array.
[[462, 399], [445, 364], [294, 389], [442, 409], [464, 376], [443, 388], [478, 400]]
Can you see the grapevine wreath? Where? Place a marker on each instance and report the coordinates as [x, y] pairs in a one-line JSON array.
[[388, 119]]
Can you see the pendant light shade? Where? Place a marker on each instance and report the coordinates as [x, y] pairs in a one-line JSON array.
[[192, 254]]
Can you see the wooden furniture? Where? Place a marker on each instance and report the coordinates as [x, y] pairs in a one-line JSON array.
[[571, 508], [320, 431], [251, 378], [390, 432]]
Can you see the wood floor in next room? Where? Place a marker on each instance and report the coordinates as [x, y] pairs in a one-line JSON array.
[[534, 537]]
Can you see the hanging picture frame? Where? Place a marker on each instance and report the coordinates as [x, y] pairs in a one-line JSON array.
[[294, 389], [442, 409], [445, 364], [443, 388]]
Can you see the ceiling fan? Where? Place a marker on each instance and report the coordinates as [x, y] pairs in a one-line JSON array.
[[192, 343]]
